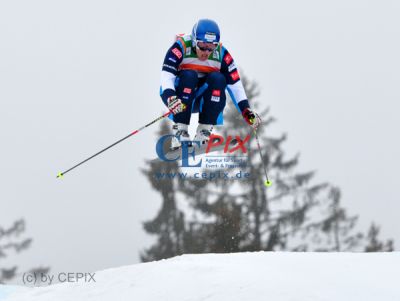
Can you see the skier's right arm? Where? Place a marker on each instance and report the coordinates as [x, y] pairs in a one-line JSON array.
[[169, 71]]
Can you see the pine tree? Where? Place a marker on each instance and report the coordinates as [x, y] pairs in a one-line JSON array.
[[231, 215], [252, 217], [336, 230], [214, 227], [168, 225], [10, 241], [374, 244]]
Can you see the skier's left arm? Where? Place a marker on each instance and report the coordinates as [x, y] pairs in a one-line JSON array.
[[236, 89]]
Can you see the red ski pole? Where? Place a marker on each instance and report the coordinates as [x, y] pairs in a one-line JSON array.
[[61, 174]]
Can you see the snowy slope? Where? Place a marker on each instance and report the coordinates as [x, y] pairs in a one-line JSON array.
[[241, 277]]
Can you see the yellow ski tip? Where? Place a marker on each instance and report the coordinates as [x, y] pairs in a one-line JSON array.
[[60, 175]]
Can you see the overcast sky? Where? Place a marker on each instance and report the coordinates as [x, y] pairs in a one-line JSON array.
[[75, 76]]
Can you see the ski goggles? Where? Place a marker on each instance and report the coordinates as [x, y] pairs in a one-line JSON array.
[[204, 46]]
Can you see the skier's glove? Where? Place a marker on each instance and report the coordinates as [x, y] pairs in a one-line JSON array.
[[251, 118], [175, 105]]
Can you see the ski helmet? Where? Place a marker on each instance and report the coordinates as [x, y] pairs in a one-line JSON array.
[[205, 30]]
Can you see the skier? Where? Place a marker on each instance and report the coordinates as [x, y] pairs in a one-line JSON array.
[[196, 71]]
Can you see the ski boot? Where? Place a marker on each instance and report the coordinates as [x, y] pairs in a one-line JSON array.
[[181, 134], [203, 133]]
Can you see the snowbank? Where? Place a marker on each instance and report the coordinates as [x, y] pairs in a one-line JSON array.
[[242, 277]]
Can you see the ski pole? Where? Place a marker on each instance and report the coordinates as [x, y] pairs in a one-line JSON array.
[[61, 174], [267, 181]]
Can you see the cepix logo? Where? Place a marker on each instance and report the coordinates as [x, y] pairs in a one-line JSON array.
[[216, 142]]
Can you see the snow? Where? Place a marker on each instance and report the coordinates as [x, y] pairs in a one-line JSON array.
[[275, 276]]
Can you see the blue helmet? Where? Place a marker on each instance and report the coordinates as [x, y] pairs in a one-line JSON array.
[[205, 30]]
